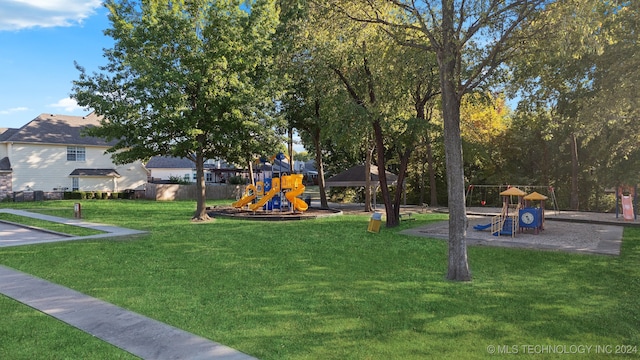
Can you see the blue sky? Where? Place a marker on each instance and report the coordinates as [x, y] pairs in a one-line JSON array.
[[39, 41]]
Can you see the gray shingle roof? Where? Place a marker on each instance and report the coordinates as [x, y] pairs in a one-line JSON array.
[[95, 172], [57, 129], [169, 162], [6, 133], [355, 176]]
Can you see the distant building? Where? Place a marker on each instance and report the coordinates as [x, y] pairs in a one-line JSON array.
[[164, 168], [50, 153]]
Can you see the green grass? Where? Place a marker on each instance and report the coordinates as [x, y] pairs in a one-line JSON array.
[[49, 225], [29, 334], [328, 289]]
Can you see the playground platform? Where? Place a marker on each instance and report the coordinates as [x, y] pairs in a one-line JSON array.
[[566, 216], [569, 231]]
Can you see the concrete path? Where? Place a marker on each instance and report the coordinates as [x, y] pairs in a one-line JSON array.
[[137, 334], [134, 333], [14, 235]]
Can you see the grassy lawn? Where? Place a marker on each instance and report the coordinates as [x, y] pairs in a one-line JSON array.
[[327, 289]]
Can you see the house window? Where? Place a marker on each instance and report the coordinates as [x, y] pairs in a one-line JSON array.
[[195, 177], [208, 177], [186, 177], [76, 153], [75, 184]]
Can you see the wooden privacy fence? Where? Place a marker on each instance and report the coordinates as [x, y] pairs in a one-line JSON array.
[[188, 192]]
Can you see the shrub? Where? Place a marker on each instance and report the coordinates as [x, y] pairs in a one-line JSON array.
[[237, 180], [178, 180]]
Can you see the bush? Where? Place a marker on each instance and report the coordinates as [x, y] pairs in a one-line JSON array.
[[178, 180], [237, 180], [343, 194]]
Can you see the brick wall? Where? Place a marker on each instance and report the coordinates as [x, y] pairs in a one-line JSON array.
[[5, 185]]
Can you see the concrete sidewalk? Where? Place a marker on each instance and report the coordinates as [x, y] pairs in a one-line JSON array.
[[15, 235], [134, 333]]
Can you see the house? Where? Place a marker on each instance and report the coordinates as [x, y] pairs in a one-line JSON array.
[[165, 168], [51, 154]]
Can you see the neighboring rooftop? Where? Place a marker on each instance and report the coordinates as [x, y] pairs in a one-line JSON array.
[[170, 162], [355, 176], [56, 129], [5, 133]]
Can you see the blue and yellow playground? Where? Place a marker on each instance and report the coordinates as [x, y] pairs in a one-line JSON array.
[[268, 195], [517, 216]]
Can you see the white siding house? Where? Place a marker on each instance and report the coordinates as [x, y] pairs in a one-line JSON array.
[[50, 153], [163, 168]]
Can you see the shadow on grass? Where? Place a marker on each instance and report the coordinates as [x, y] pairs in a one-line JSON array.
[[328, 289]]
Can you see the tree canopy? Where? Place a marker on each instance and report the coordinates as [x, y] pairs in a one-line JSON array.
[[187, 79]]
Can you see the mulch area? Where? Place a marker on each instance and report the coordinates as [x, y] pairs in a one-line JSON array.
[[311, 213]]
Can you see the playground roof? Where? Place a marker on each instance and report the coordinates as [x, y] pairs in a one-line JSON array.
[[513, 191], [535, 196], [355, 176]]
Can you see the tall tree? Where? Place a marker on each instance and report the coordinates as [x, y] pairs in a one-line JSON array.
[[186, 78], [471, 39], [582, 73]]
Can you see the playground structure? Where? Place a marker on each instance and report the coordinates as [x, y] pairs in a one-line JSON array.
[[517, 216], [627, 198], [488, 194], [268, 194]]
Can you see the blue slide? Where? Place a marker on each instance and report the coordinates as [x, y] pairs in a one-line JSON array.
[[482, 227]]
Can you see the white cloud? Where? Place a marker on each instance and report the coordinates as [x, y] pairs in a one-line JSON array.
[[68, 104], [24, 14], [13, 110]]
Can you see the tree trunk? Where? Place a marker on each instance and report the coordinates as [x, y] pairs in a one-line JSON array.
[[393, 218], [367, 179], [433, 191], [252, 179], [574, 197], [402, 171], [290, 149], [420, 113], [421, 182], [458, 264], [458, 268], [320, 165], [201, 198]]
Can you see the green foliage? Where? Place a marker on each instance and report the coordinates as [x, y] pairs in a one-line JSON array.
[[186, 79], [237, 180], [302, 156], [173, 179], [72, 195]]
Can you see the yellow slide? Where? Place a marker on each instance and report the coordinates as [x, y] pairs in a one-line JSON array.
[[273, 192], [297, 203], [249, 194]]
